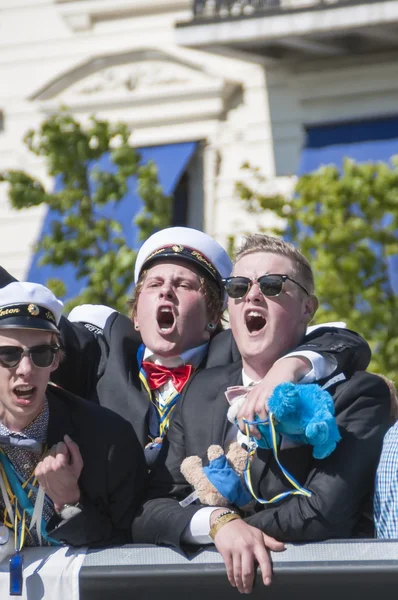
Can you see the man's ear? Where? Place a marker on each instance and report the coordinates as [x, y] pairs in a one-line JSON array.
[[56, 362], [310, 308], [212, 324], [215, 317]]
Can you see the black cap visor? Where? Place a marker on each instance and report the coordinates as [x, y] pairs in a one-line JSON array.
[[189, 255], [28, 323], [27, 316]]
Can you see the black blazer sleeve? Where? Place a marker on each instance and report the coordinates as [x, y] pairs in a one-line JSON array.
[[341, 483], [84, 352], [112, 488], [350, 350]]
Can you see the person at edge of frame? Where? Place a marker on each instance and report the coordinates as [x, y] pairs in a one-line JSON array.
[[175, 321], [271, 301], [76, 469], [386, 486]]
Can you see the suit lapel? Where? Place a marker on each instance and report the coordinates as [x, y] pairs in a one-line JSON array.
[[121, 390], [220, 350], [59, 422], [220, 423], [259, 465], [139, 401]]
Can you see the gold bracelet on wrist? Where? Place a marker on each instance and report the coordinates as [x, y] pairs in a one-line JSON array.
[[221, 521]]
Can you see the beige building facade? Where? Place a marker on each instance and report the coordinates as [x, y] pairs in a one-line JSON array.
[[242, 80]]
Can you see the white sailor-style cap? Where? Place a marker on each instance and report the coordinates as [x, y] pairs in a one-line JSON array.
[[91, 314], [188, 245], [25, 305]]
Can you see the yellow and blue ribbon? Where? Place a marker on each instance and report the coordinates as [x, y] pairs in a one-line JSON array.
[[164, 413], [21, 492], [297, 490]]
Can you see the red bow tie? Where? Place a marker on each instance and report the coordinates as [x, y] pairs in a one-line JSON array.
[[157, 375]]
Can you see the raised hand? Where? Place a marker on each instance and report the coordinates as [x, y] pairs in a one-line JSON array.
[[58, 473]]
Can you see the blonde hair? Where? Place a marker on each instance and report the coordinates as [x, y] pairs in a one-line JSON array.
[[259, 242]]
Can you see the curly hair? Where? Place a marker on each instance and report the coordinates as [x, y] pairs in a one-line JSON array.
[[208, 287]]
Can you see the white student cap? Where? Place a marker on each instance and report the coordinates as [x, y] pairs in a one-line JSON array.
[[25, 305], [187, 245], [92, 314]]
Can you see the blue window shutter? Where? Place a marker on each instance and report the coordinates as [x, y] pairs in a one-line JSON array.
[[172, 161]]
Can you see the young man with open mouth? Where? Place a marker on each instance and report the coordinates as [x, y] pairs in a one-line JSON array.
[[71, 472], [127, 364], [271, 302]]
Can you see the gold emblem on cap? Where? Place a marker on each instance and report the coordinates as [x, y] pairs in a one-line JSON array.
[[177, 248], [200, 257], [33, 310]]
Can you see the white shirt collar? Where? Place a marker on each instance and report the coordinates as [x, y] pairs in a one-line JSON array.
[[193, 356], [247, 381]]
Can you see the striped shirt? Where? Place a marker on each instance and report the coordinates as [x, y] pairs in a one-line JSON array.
[[386, 489]]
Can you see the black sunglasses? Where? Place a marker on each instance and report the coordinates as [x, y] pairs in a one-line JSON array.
[[270, 285], [41, 356]]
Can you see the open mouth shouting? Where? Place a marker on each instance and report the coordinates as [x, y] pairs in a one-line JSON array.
[[166, 319], [24, 392], [255, 321]]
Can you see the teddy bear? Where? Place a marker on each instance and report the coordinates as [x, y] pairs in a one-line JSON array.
[[304, 414], [221, 483]]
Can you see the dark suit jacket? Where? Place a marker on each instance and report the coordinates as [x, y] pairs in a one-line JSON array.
[[103, 367], [340, 483], [113, 478]]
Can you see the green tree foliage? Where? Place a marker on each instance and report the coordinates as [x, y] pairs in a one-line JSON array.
[[94, 245], [346, 223]]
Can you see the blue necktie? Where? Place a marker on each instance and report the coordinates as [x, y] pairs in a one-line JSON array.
[[20, 442]]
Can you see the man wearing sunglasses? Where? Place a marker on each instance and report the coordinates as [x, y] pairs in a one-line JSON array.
[[271, 302], [175, 322], [75, 470]]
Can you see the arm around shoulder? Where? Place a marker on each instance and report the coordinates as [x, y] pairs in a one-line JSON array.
[[350, 350], [341, 483]]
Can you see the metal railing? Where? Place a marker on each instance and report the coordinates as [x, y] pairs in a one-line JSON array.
[[344, 569]]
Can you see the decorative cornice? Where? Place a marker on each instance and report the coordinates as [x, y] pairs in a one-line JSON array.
[[105, 62], [149, 86], [80, 15]]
